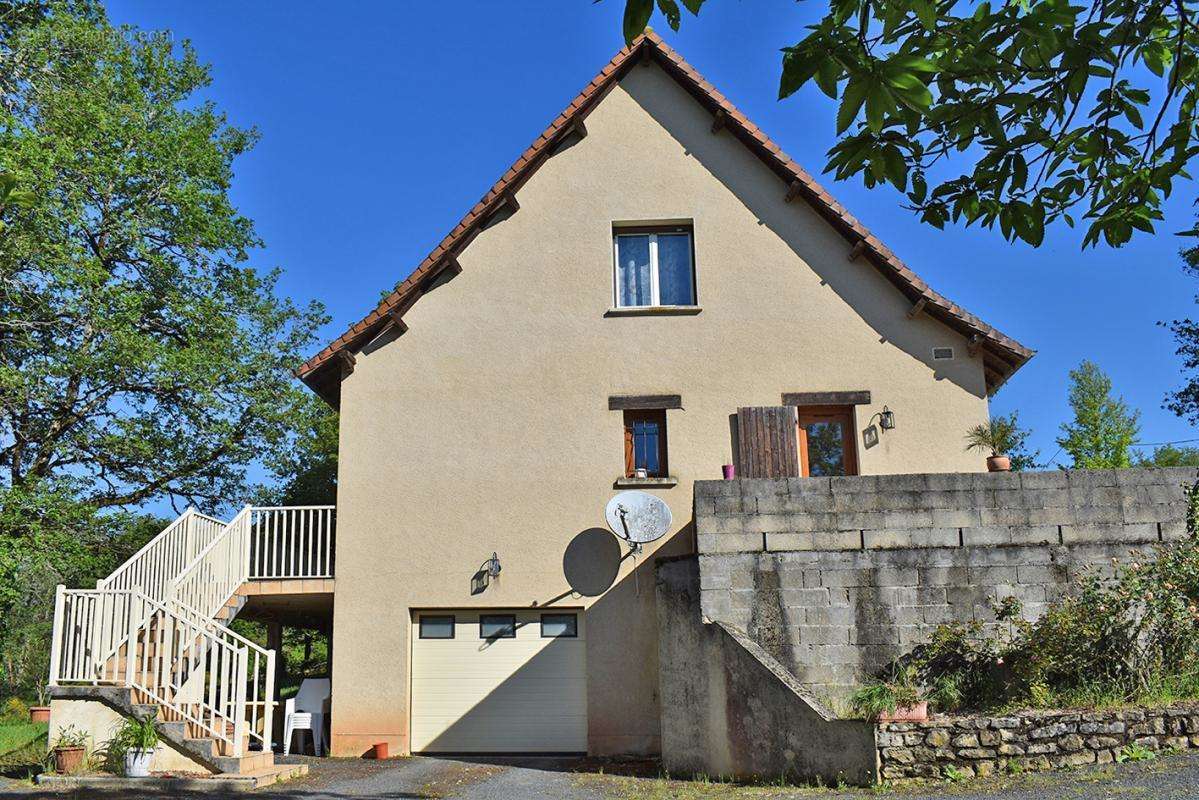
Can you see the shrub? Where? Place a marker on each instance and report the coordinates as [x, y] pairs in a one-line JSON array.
[[1129, 633], [14, 710]]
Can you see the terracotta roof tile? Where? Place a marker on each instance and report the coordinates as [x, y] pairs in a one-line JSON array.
[[1006, 355]]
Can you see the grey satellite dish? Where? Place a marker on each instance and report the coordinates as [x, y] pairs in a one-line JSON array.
[[638, 517]]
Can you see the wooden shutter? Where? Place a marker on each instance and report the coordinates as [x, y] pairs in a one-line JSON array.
[[767, 442]]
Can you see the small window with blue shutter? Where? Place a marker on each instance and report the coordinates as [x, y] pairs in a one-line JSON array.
[[645, 443]]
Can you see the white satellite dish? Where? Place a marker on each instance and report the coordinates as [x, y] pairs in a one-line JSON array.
[[638, 517]]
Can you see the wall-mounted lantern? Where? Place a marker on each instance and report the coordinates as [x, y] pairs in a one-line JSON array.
[[488, 571], [886, 419]]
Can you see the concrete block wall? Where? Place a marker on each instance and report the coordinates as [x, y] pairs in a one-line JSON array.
[[836, 577]]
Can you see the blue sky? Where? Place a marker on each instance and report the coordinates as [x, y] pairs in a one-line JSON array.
[[383, 122]]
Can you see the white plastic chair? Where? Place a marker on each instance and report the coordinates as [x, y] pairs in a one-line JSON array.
[[307, 711]]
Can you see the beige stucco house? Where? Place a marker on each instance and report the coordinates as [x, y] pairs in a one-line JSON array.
[[653, 291], [649, 266]]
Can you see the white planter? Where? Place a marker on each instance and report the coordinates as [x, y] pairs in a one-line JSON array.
[[137, 763]]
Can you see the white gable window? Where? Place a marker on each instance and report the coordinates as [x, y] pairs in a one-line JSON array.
[[654, 267]]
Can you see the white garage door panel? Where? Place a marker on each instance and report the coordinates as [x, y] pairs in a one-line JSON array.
[[526, 694]]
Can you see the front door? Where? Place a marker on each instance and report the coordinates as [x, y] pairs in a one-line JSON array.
[[826, 441]]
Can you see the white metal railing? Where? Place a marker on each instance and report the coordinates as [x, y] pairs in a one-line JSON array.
[[165, 556], [197, 672], [218, 571], [291, 542]]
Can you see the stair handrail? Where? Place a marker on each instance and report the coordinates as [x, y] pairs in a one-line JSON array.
[[195, 672], [262, 657], [165, 556], [217, 571]]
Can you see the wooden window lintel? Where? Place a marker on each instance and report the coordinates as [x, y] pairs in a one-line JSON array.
[[860, 397], [644, 402]]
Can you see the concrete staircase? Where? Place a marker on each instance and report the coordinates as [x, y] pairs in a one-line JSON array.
[[205, 751]]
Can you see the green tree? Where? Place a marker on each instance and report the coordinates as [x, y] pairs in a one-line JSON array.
[[1185, 401], [305, 471], [140, 357], [1104, 427], [1012, 114], [1167, 455]]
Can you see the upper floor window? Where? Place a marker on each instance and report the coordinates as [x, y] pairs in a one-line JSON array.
[[645, 443], [654, 267]]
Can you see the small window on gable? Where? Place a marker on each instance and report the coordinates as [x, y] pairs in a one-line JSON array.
[[653, 266], [942, 354], [645, 443]]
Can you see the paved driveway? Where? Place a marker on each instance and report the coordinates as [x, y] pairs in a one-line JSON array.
[[1169, 778]]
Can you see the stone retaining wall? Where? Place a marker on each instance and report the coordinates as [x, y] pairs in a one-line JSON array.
[[1030, 741], [837, 577]]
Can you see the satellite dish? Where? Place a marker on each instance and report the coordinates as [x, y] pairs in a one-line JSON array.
[[638, 517]]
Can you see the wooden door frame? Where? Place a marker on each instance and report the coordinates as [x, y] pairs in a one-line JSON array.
[[849, 443]]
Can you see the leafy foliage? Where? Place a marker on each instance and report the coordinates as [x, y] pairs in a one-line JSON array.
[[1185, 401], [70, 736], [899, 690], [1011, 114], [135, 733], [305, 471], [1129, 633], [1168, 455], [139, 357], [1104, 427]]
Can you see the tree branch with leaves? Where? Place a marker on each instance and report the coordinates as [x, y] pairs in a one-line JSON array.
[[1016, 115], [140, 356]]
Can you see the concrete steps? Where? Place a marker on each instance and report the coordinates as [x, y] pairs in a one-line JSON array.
[[222, 784], [204, 750]]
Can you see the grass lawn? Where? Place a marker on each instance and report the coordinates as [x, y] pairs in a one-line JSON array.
[[17, 736], [22, 749]]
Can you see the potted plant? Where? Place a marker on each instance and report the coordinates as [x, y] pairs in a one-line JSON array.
[[898, 699], [998, 436], [137, 738], [40, 712], [69, 750]]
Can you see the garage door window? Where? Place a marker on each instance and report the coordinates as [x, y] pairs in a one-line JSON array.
[[497, 626], [559, 626], [437, 627]]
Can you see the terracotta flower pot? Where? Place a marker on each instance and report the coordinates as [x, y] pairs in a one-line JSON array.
[[916, 713], [68, 760], [999, 464], [39, 714], [380, 751]]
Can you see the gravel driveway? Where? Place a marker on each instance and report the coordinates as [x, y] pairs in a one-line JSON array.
[[1173, 777]]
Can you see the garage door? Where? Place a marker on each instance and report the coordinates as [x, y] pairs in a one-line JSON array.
[[499, 682]]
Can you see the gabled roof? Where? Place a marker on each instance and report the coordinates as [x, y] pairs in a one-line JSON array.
[[1001, 354]]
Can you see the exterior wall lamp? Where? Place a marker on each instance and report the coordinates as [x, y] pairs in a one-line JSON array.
[[886, 419], [488, 571]]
